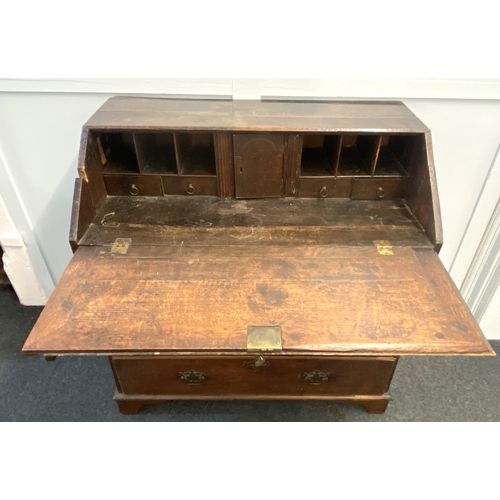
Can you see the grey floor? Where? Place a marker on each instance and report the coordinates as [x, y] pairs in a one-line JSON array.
[[81, 389]]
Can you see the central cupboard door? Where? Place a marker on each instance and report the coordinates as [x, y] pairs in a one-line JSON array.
[[258, 165]]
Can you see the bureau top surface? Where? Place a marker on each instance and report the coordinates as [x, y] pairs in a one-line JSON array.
[[281, 116]]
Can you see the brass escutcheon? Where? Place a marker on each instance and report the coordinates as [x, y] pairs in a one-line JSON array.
[[316, 377], [192, 377], [257, 363]]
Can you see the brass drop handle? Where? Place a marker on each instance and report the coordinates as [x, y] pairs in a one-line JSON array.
[[134, 191], [192, 377], [316, 377], [190, 189], [323, 192], [380, 192], [257, 363]]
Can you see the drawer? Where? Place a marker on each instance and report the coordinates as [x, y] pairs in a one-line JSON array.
[[325, 187], [378, 189], [242, 375], [190, 184], [133, 185]]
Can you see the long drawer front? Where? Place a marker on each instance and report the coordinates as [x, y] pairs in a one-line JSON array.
[[252, 375]]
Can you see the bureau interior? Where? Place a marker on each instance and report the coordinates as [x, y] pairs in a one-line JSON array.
[[350, 167], [174, 155], [356, 155], [156, 153]]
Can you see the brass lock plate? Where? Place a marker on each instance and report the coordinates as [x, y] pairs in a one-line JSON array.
[[263, 338]]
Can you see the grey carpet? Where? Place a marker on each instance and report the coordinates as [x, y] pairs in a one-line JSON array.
[[81, 388]]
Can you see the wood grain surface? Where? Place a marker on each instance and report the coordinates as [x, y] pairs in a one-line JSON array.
[[277, 116], [344, 300], [282, 375], [181, 220]]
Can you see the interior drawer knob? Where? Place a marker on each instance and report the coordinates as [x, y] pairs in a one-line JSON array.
[[134, 190], [380, 192], [257, 364], [323, 192], [190, 189], [192, 377], [316, 377]]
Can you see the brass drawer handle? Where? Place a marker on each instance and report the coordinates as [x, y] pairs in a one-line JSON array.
[[323, 192], [316, 377], [257, 364], [192, 377], [190, 189], [380, 192], [134, 191]]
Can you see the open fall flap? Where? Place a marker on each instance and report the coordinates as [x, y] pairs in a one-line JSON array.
[[336, 299]]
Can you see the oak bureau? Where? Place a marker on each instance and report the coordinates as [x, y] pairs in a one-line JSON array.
[[255, 250]]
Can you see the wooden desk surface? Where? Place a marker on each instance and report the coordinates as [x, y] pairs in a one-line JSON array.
[[327, 299]]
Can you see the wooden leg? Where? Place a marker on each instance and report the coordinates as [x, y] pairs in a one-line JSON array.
[[376, 406], [129, 407]]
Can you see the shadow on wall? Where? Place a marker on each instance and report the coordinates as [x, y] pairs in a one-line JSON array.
[[55, 220], [4, 279]]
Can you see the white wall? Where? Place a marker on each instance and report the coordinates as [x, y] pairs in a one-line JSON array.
[[40, 123], [490, 322]]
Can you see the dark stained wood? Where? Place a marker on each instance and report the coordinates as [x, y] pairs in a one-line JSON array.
[[325, 187], [205, 211], [423, 198], [224, 162], [133, 185], [343, 300], [82, 213], [156, 153], [333, 144], [189, 185], [291, 164], [195, 154], [90, 160], [369, 148], [241, 236], [396, 153], [118, 152], [353, 283], [201, 220], [258, 165], [379, 188], [228, 375], [129, 405], [256, 116]]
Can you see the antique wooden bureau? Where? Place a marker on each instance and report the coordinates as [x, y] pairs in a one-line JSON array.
[[255, 250]]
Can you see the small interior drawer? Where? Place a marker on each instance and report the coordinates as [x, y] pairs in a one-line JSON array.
[[379, 189], [325, 187], [275, 375], [190, 185], [133, 185]]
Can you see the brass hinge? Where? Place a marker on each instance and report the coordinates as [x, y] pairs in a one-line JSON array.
[[82, 173], [120, 246], [384, 247], [264, 338]]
